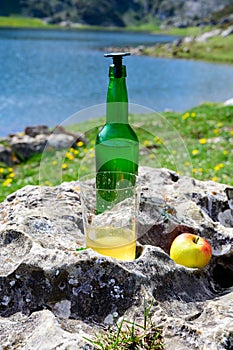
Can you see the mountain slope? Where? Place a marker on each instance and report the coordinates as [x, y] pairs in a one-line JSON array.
[[116, 12]]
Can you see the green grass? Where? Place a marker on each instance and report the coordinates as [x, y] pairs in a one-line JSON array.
[[130, 335], [36, 23], [155, 29], [21, 22], [189, 31], [197, 143]]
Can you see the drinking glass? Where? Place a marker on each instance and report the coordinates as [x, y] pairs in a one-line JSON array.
[[110, 204]]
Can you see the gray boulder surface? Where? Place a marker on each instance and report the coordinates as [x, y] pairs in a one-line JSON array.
[[52, 296], [34, 140]]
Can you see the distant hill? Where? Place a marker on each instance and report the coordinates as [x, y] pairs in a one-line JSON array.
[[121, 12]]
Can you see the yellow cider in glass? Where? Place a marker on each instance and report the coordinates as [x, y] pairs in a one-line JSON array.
[[118, 243]]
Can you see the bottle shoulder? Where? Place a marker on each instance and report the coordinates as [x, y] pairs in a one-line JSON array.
[[116, 130]]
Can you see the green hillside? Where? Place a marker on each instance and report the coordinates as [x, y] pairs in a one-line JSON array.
[[121, 13]]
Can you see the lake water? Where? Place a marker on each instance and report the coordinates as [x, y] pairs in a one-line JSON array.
[[46, 76]]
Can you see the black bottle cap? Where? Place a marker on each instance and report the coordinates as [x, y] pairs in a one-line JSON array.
[[117, 61]]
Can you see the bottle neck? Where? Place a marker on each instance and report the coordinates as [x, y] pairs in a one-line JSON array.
[[117, 97]]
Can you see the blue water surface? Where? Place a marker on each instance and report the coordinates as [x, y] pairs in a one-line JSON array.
[[48, 75]]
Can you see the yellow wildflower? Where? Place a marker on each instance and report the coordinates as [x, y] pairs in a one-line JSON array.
[[10, 170], [216, 131], [218, 166], [214, 178], [157, 140], [231, 132], [69, 156], [64, 166], [54, 162], [48, 183], [202, 141], [225, 152], [146, 143], [11, 175], [185, 116], [193, 114], [80, 143], [7, 182], [2, 170], [91, 154], [197, 170], [219, 125], [195, 152], [187, 163]]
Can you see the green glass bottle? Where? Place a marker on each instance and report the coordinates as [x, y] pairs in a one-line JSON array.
[[117, 146]]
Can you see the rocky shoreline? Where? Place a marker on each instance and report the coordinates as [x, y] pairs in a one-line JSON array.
[[170, 48], [21, 146]]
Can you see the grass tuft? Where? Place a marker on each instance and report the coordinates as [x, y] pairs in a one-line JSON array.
[[130, 335]]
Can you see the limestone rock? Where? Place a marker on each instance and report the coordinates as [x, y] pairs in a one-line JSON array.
[[188, 39], [34, 140], [227, 31], [37, 130], [44, 280], [6, 155], [25, 146], [41, 331], [228, 102], [205, 36], [60, 141], [76, 135]]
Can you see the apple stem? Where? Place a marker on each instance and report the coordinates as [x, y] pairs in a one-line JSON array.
[[196, 239]]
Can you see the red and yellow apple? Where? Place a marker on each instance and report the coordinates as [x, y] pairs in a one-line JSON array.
[[191, 250]]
